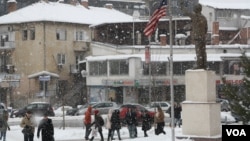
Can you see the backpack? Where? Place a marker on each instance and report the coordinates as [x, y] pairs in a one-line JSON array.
[[101, 121]]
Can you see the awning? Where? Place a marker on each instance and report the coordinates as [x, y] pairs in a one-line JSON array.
[[43, 73]]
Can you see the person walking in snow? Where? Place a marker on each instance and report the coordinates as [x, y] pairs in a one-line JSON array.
[[116, 123], [98, 123], [159, 121], [4, 125], [146, 122], [87, 122], [28, 124], [47, 128], [108, 124], [131, 123]]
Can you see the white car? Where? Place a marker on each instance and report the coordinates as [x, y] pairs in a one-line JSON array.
[[59, 111], [163, 104]]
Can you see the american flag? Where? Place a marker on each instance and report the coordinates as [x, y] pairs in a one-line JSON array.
[[153, 22]]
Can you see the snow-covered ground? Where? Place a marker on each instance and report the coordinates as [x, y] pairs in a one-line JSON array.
[[74, 133]]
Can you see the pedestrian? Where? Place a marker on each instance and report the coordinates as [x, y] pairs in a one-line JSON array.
[[131, 122], [47, 128], [28, 124], [146, 122], [98, 123], [87, 122], [116, 123], [159, 121], [177, 114], [4, 124], [108, 124]]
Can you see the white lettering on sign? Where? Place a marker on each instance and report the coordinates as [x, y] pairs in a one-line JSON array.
[[236, 132]]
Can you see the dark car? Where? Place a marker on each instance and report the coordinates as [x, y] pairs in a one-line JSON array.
[[138, 108], [37, 109]]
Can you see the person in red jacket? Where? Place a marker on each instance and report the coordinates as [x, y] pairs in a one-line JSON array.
[[87, 122]]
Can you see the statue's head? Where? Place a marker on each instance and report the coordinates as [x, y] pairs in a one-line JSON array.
[[197, 8]]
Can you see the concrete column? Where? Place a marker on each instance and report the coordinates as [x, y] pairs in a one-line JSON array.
[[200, 111]]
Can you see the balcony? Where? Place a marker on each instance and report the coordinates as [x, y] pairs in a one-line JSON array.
[[7, 45]]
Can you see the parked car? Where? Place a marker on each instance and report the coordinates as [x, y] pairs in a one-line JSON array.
[[59, 111], [103, 107], [37, 109], [163, 104], [225, 106], [138, 108]]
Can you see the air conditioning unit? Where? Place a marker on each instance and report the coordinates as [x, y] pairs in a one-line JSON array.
[[59, 66], [10, 68]]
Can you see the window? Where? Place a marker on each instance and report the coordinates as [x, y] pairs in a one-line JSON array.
[[98, 68], [79, 35], [25, 34], [61, 34], [157, 68], [42, 85], [119, 67], [32, 34], [179, 68], [79, 58], [61, 59], [215, 66]]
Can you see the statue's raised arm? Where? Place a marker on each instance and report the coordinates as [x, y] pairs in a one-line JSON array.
[[198, 33]]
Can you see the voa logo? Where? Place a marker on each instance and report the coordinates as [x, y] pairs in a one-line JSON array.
[[236, 132]]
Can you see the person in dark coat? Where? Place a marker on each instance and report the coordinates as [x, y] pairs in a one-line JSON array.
[[4, 125], [116, 123], [131, 122], [177, 114], [146, 122], [98, 123], [47, 128]]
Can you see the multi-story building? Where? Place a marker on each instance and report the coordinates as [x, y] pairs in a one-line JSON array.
[[42, 43]]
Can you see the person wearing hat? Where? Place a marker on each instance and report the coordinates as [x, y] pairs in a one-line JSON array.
[[47, 128], [28, 124], [99, 122]]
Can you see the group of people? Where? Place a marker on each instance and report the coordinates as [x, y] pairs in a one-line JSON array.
[[114, 123], [45, 126]]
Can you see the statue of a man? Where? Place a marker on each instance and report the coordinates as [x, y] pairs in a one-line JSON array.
[[198, 34]]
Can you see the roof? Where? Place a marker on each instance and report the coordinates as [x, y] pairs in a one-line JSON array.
[[60, 12], [43, 73], [226, 4]]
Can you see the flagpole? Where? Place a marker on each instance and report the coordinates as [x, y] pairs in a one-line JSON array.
[[171, 69]]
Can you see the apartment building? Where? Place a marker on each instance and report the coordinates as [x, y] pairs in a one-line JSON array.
[[41, 45]]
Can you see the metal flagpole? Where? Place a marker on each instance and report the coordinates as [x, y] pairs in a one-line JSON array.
[[171, 69]]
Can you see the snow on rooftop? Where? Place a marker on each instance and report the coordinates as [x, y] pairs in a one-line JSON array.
[[164, 57], [60, 12], [226, 4]]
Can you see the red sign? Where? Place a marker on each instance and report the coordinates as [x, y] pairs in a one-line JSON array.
[[147, 54]]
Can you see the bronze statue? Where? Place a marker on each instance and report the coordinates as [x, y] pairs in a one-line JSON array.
[[198, 34]]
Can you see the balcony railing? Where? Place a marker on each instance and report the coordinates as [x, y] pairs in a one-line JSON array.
[[7, 44]]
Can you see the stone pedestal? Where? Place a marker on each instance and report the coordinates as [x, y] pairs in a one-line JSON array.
[[200, 112]]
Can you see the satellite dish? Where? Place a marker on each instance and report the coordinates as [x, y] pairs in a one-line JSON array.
[[84, 73]]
